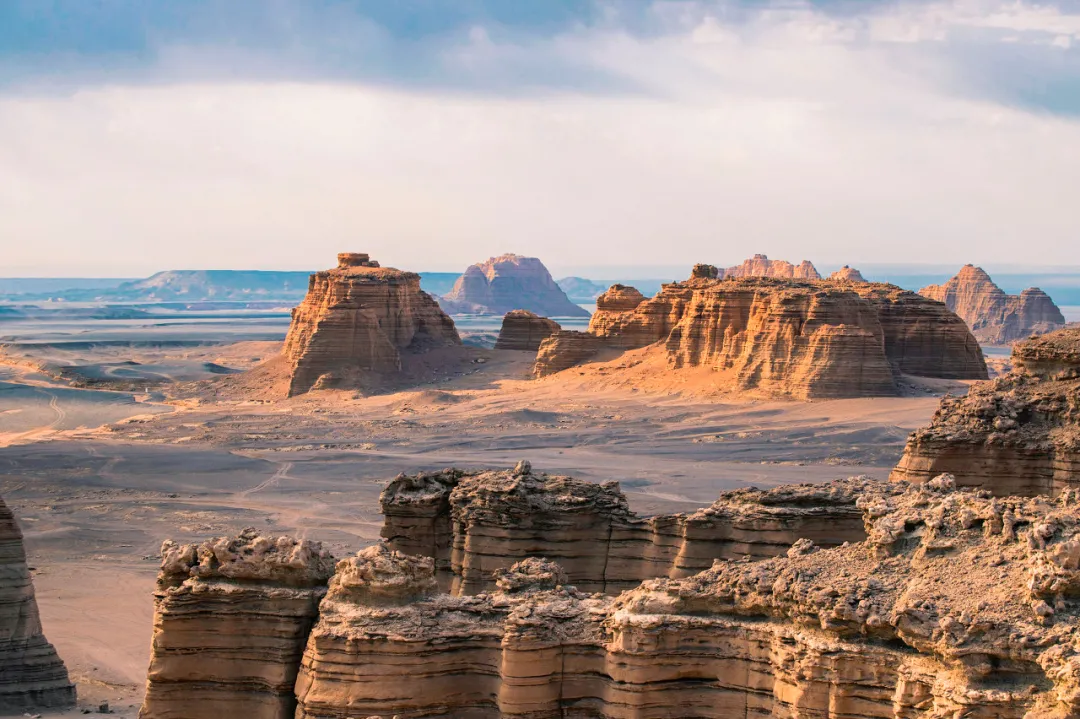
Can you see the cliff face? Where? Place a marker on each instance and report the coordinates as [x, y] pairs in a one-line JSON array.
[[791, 338], [359, 318], [32, 677], [762, 266], [473, 524], [231, 620], [994, 316], [524, 330], [509, 282], [1017, 434]]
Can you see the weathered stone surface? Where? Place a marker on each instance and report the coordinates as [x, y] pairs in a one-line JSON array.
[[473, 524], [564, 349], [994, 316], [509, 282], [524, 330], [359, 318], [32, 676], [762, 266], [1018, 434], [231, 620], [847, 274]]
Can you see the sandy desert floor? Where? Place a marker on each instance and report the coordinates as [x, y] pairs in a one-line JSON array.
[[98, 478]]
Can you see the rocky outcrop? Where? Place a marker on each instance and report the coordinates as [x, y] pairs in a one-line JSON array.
[[792, 338], [524, 330], [473, 524], [509, 282], [995, 317], [32, 677], [762, 266], [847, 274], [358, 319], [231, 620], [1014, 435]]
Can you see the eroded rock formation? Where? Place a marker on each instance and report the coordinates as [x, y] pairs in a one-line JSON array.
[[564, 349], [762, 266], [473, 524], [509, 282], [32, 677], [847, 274], [1017, 434], [360, 318], [231, 620], [524, 330], [995, 317]]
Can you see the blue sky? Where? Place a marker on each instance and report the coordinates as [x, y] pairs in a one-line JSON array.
[[273, 133]]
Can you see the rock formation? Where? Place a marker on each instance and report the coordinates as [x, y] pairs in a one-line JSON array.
[[473, 524], [847, 274], [524, 330], [360, 318], [762, 266], [509, 282], [995, 317], [231, 620], [794, 338], [1018, 434], [32, 677]]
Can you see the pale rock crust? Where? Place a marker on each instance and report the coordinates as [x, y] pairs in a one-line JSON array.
[[358, 319], [995, 317], [1014, 435], [847, 274], [231, 620], [762, 266], [32, 676], [475, 523], [524, 330], [509, 282]]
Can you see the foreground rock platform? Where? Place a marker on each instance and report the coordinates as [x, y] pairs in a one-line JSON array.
[[32, 676]]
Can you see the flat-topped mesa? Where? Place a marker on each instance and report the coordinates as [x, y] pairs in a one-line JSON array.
[[1014, 435], [847, 274], [231, 618], [506, 283], [524, 330], [32, 676], [474, 523], [762, 266], [360, 318], [996, 317]]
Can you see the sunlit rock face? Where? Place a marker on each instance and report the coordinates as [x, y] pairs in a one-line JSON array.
[[762, 266], [524, 330]]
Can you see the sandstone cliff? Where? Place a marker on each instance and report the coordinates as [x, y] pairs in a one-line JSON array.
[[762, 266], [509, 282], [357, 319], [32, 677], [231, 619], [995, 317], [473, 524], [793, 338], [847, 274], [1017, 434], [524, 330]]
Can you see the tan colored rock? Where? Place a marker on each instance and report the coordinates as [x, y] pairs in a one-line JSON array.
[[231, 620], [1014, 435], [762, 266], [564, 349], [524, 330], [509, 282], [847, 274], [473, 524], [995, 317], [359, 319], [32, 676]]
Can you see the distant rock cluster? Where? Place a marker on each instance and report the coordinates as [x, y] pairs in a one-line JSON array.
[[509, 282]]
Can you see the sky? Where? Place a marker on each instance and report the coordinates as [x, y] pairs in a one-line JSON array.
[[272, 134]]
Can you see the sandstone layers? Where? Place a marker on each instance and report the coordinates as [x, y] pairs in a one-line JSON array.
[[32, 677], [473, 524], [360, 318], [995, 317], [1017, 434], [509, 282], [794, 338], [524, 330], [762, 266]]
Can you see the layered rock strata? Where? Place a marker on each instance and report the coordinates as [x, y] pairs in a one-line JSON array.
[[474, 523], [359, 318], [524, 330], [996, 317], [762, 266], [509, 282], [847, 274], [32, 676], [791, 338], [231, 620], [1018, 434]]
